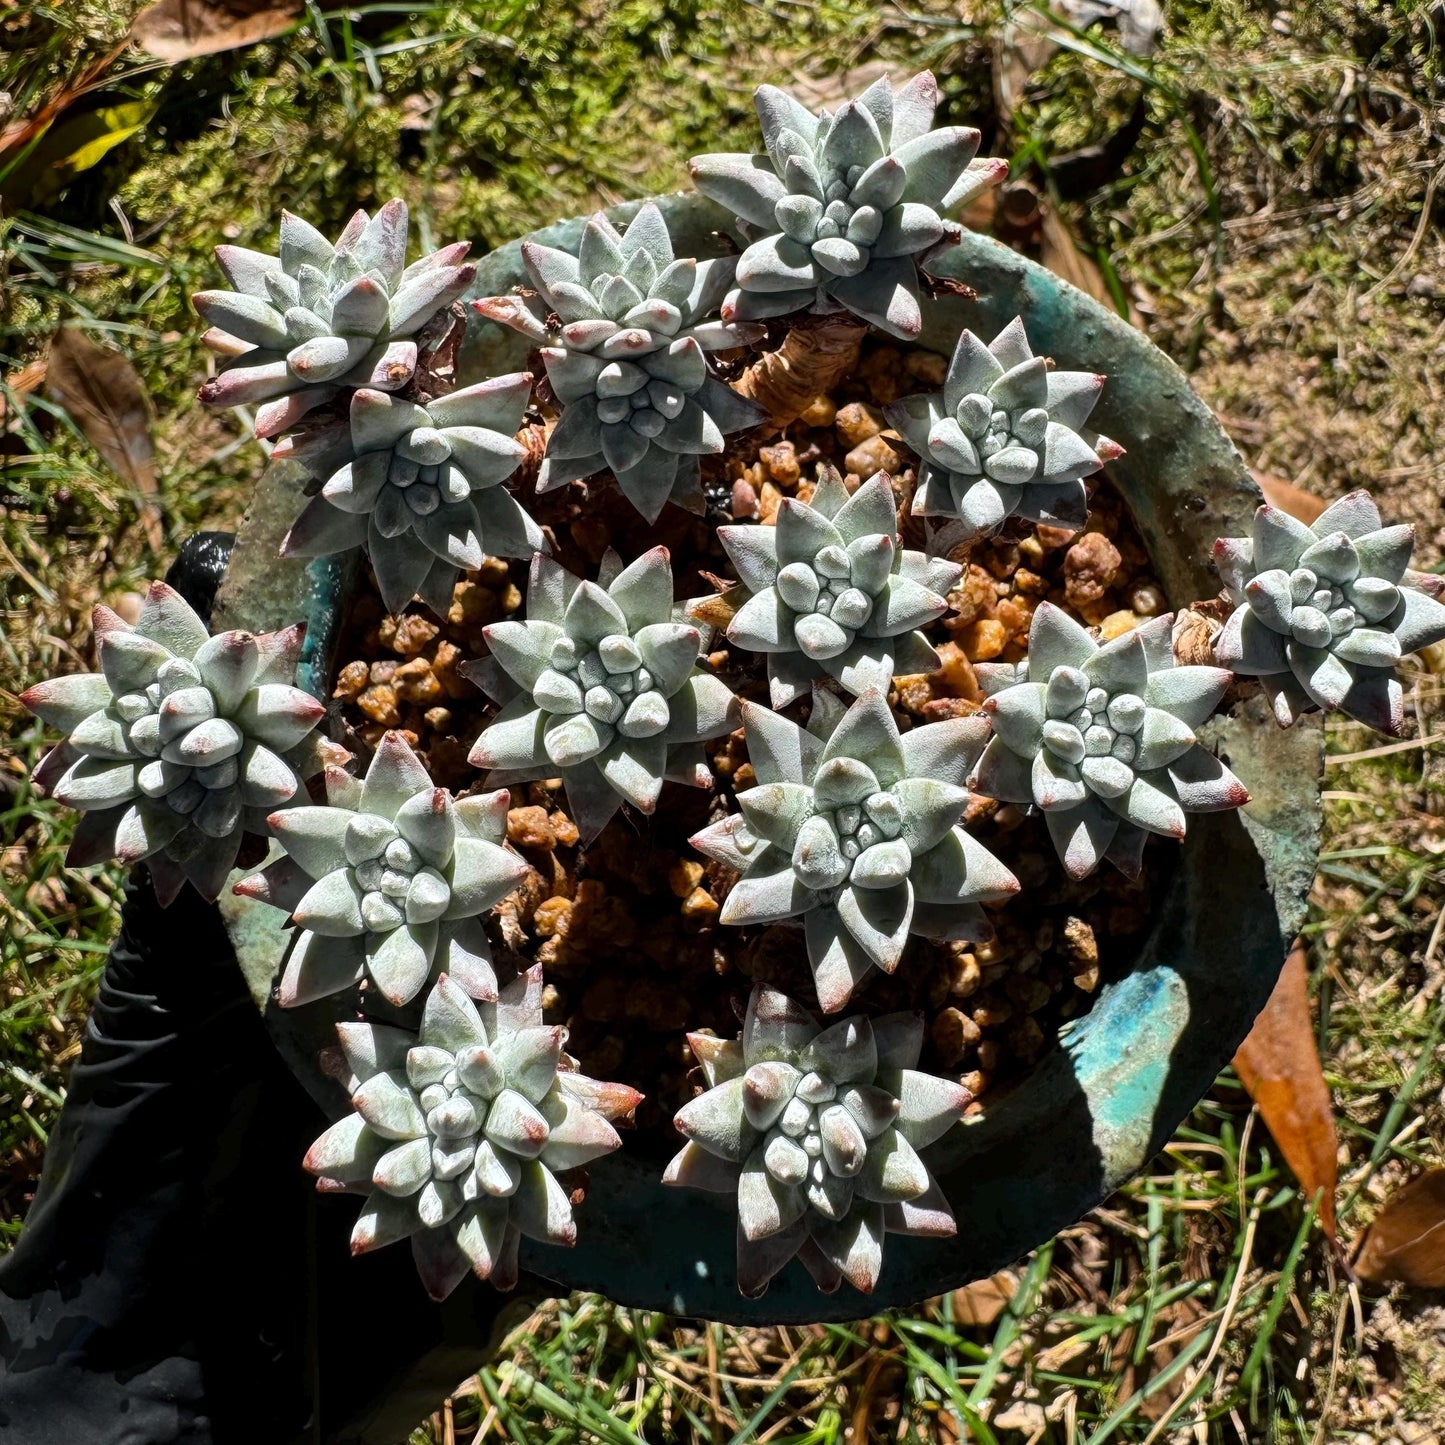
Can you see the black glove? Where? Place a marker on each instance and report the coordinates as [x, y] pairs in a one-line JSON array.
[[177, 1278]]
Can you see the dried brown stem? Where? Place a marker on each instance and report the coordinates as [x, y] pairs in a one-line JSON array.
[[816, 354]]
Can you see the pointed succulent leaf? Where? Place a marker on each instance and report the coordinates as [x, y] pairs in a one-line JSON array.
[[326, 313], [815, 1138], [1324, 612]]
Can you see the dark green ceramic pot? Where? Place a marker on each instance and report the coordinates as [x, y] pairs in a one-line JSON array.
[[1094, 1111]]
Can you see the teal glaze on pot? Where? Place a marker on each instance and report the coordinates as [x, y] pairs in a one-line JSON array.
[[1095, 1110]]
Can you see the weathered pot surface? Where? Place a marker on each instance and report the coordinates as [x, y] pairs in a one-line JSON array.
[[1093, 1111]]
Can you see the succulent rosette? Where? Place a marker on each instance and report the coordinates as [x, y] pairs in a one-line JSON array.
[[298, 326], [1006, 437], [1102, 739], [818, 1132], [829, 592], [180, 745], [422, 492], [626, 359], [460, 1131], [851, 203], [600, 686], [390, 881], [858, 830], [1323, 613]]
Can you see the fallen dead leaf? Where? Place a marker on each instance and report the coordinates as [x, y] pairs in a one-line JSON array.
[[1303, 506], [983, 1301], [1059, 251], [1280, 1066], [101, 391], [1406, 1242], [22, 382], [175, 30]]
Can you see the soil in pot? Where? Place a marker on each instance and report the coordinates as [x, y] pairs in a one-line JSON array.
[[627, 931]]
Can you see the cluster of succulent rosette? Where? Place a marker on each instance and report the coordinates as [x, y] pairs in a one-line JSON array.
[[194, 753]]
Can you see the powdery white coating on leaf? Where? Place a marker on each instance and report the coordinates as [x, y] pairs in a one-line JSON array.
[[1006, 437], [389, 882], [611, 698], [850, 203], [320, 316], [623, 328], [180, 745], [817, 1130], [460, 1130], [1323, 613], [1101, 739], [830, 592], [421, 490], [859, 834]]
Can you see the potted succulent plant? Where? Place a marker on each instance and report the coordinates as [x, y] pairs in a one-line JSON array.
[[788, 490]]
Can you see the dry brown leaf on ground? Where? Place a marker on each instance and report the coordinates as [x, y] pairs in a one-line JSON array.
[[104, 397], [177, 30], [21, 382], [979, 1304], [1059, 251], [1280, 1066], [1303, 506], [1406, 1242]]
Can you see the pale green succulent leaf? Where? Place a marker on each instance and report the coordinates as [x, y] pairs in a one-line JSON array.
[[946, 751], [1152, 804], [450, 1019], [715, 1122], [869, 735], [961, 870], [399, 962], [703, 707], [482, 874], [389, 1107], [1119, 666], [1354, 514], [1420, 621], [317, 967], [383, 1220], [577, 1135], [332, 906], [347, 1152], [65, 703], [394, 775], [1203, 784], [1056, 640]]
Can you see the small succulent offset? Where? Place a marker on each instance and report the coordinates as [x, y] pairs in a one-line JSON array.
[[1103, 742], [181, 745], [1323, 613], [422, 491], [817, 1131], [831, 593], [389, 879], [626, 359], [459, 1133], [601, 687], [857, 829], [300, 325], [852, 203], [1005, 437]]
